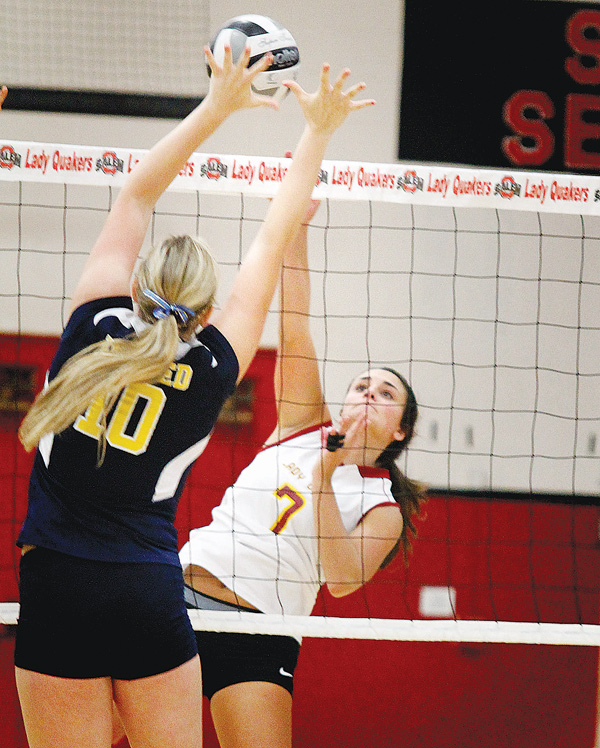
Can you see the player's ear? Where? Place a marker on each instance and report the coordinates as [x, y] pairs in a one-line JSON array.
[[205, 316]]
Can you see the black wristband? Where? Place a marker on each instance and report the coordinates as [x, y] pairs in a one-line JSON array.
[[334, 442]]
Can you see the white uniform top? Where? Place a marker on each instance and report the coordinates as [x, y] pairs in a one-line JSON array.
[[261, 541]]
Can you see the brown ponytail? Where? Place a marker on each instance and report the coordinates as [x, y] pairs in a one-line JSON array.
[[409, 494]]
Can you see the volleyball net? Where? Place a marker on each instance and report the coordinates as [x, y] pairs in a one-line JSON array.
[[141, 48], [481, 286]]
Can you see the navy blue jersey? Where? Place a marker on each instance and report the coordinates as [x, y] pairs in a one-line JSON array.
[[123, 510]]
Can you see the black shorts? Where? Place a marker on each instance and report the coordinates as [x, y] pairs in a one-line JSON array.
[[92, 619], [227, 658]]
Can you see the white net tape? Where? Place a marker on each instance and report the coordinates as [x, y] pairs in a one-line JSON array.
[[381, 629]]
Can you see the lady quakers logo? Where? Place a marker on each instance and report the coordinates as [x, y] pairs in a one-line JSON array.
[[508, 188], [9, 158], [109, 163], [410, 181], [213, 168]]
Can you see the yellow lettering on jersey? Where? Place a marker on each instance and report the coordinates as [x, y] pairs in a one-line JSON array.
[[178, 376], [183, 377], [155, 401], [89, 422], [295, 470]]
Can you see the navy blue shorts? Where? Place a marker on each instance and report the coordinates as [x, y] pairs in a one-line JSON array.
[[239, 658], [90, 619]]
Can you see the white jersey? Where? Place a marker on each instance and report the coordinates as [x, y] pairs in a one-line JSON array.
[[261, 542]]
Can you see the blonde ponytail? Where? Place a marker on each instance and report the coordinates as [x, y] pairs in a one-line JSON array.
[[183, 273]]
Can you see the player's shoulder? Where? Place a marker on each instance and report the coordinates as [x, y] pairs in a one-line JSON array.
[[212, 339], [91, 322], [291, 436], [108, 312]]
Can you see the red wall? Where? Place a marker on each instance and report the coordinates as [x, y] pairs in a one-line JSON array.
[[509, 560]]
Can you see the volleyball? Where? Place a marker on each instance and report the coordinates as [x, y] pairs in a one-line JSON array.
[[264, 35]]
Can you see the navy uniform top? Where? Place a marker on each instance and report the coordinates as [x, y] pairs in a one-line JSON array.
[[123, 510]]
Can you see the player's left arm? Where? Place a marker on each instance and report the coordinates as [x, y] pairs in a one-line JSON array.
[[242, 316], [349, 559], [3, 95]]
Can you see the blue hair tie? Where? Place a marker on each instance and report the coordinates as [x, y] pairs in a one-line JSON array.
[[163, 309]]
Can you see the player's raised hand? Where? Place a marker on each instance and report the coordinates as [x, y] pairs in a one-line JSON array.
[[3, 93], [329, 105], [231, 83], [351, 437]]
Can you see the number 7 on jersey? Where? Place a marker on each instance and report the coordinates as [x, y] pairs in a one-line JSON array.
[[297, 501]]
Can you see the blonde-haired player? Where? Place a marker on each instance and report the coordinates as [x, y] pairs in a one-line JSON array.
[[102, 606]]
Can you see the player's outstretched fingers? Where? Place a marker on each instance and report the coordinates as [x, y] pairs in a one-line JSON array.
[[341, 79], [210, 60], [294, 87], [261, 64], [324, 82], [351, 92]]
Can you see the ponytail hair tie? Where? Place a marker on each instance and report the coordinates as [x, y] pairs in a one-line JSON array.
[[163, 309]]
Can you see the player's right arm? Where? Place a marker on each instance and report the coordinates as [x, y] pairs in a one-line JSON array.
[[298, 391], [110, 264], [3, 94]]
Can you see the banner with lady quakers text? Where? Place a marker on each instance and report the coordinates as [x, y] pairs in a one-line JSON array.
[[341, 180]]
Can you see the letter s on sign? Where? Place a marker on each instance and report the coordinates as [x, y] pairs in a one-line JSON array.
[[587, 47], [514, 115]]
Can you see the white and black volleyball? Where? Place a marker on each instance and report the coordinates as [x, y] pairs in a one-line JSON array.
[[264, 35]]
